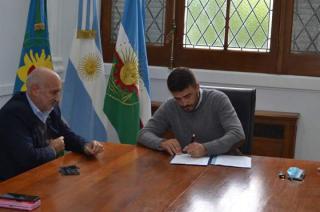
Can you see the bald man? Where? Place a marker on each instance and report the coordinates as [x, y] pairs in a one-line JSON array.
[[31, 129]]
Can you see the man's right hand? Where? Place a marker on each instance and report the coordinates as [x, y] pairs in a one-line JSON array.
[[172, 146], [57, 144]]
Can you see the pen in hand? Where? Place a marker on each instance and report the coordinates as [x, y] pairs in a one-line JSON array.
[[193, 138], [195, 149]]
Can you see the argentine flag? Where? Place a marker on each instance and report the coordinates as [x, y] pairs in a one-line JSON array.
[[85, 81]]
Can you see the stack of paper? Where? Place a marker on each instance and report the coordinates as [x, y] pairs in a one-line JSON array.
[[187, 159], [19, 201], [21, 205], [230, 160]]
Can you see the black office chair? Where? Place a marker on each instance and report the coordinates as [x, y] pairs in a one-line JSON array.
[[244, 102]]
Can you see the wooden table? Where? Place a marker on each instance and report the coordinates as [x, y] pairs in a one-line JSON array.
[[133, 178]]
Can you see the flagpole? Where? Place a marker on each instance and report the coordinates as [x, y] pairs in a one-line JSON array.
[[172, 34]]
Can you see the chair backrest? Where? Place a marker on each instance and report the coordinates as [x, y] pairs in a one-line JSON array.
[[244, 103]]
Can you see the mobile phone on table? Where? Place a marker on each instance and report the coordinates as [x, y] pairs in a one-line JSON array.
[[19, 197]]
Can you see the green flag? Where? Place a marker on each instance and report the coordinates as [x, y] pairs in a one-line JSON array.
[[127, 102]]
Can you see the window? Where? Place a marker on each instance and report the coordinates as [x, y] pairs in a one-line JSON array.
[[306, 27], [302, 38], [266, 36], [236, 24], [158, 13], [248, 27]]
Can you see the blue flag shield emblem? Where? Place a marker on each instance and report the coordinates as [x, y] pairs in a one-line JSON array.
[[36, 48]]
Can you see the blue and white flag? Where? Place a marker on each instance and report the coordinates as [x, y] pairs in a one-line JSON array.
[[85, 81]]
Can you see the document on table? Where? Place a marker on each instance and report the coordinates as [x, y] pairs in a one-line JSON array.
[[223, 160], [231, 160], [188, 160]]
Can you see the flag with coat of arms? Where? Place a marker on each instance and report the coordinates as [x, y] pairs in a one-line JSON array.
[[127, 102], [85, 81]]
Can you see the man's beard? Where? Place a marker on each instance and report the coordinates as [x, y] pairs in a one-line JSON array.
[[188, 108]]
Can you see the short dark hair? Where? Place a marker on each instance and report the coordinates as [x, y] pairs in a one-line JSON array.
[[180, 78]]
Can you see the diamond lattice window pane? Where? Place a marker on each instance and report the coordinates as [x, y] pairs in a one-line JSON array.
[[306, 26], [154, 20], [117, 10], [204, 24], [250, 25]]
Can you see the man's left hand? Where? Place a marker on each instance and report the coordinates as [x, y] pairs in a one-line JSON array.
[[195, 150], [93, 148]]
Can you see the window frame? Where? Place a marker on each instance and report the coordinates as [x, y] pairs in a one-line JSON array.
[[278, 61]]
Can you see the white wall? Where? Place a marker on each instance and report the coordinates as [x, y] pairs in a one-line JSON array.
[[11, 35], [274, 92]]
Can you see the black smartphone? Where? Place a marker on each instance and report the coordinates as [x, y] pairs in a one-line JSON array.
[[19, 197]]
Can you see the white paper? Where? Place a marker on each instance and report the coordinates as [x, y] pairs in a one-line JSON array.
[[188, 160], [231, 160]]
